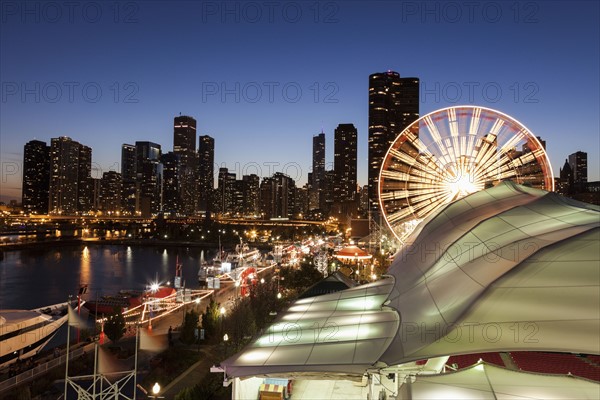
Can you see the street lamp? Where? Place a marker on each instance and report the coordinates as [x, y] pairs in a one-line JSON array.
[[155, 392]]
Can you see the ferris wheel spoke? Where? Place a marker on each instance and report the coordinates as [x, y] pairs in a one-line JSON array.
[[451, 153]]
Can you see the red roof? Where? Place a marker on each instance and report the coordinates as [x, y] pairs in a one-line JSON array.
[[352, 251]]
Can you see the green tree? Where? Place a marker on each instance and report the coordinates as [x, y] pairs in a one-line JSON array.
[[190, 323], [211, 320], [240, 324], [301, 278], [114, 325], [263, 301]]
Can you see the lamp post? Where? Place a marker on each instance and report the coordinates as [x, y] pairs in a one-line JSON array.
[[155, 392], [222, 312]]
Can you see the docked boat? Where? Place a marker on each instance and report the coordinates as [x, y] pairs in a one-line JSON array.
[[128, 300], [23, 333], [208, 271], [139, 306]]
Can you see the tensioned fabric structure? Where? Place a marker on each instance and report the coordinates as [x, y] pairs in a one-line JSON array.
[[506, 268], [487, 381]]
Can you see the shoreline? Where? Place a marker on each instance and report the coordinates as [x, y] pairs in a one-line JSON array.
[[121, 242]]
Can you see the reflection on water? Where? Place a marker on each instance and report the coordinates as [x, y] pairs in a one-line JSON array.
[[38, 277], [85, 265]]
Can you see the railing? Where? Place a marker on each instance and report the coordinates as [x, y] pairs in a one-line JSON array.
[[41, 369]]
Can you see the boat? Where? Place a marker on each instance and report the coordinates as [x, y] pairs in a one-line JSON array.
[[208, 271], [127, 300], [244, 257], [139, 306], [23, 333]]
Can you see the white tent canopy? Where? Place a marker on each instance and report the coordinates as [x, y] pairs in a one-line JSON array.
[[485, 381], [338, 333], [506, 268]]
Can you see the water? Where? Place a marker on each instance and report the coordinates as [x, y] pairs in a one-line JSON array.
[[34, 278]]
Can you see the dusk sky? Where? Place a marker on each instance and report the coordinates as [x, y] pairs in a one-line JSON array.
[[263, 77]]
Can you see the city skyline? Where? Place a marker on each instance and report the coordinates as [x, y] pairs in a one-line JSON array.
[[523, 53]]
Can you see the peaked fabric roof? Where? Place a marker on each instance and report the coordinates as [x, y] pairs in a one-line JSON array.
[[506, 268], [487, 381], [339, 333], [333, 283]]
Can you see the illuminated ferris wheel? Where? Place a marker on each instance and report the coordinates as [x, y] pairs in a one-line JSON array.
[[450, 153]]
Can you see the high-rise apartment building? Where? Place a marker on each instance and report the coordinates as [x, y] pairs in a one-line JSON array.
[[111, 188], [184, 145], [345, 162], [206, 171], [148, 178], [278, 196], [36, 177], [251, 191], [85, 183], [564, 184], [171, 173], [70, 187], [128, 175], [579, 169], [316, 198], [226, 190], [393, 105]]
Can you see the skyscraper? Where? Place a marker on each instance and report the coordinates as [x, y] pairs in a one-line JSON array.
[[85, 184], [148, 178], [578, 163], [184, 145], [344, 162], [36, 177], [171, 196], [128, 175], [65, 176], [226, 190], [251, 189], [206, 171], [565, 180], [393, 105], [316, 198], [111, 186], [278, 196]]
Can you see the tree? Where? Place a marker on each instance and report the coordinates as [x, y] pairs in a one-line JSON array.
[[190, 324], [263, 301], [300, 279], [240, 323], [211, 320], [114, 325]]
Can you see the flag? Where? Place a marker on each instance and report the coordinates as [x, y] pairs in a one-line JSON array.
[[83, 289], [75, 319], [109, 363], [152, 342]]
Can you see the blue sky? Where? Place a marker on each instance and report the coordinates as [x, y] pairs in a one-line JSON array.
[[263, 77]]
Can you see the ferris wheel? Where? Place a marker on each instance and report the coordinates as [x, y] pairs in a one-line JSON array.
[[453, 152]]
